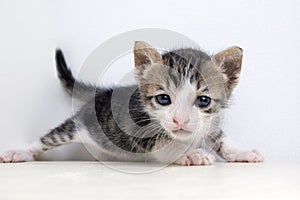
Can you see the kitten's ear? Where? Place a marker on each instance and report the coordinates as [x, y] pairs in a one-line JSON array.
[[145, 54], [229, 61]]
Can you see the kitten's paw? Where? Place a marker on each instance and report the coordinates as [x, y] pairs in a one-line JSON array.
[[245, 156], [197, 157], [16, 156]]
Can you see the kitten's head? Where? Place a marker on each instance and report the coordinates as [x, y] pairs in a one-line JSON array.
[[186, 89]]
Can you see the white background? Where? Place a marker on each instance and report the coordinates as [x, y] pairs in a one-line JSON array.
[[265, 109]]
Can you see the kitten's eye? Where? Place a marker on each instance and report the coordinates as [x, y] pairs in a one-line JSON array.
[[163, 99], [202, 101]]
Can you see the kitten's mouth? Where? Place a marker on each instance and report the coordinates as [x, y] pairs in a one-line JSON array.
[[181, 132]]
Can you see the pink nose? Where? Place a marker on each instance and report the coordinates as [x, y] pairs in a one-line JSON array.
[[180, 123]]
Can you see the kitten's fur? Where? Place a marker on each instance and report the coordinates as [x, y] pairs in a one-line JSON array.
[[127, 123]]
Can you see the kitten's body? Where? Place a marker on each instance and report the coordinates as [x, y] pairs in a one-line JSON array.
[[126, 123]]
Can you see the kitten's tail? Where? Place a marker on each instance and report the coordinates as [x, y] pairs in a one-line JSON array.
[[82, 90]]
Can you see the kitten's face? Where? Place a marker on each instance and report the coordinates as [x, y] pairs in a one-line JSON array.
[[184, 90]]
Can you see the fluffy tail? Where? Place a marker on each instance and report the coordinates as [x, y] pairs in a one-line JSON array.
[[74, 87]]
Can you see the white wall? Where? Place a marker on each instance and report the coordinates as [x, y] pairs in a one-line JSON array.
[[265, 112]]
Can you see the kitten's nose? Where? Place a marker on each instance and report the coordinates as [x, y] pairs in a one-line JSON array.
[[180, 123]]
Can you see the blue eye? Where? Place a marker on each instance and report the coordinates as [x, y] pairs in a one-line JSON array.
[[163, 99], [202, 101]]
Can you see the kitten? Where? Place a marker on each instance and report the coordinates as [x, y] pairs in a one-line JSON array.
[[172, 115]]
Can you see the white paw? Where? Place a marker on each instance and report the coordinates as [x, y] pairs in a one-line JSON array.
[[245, 156], [196, 157], [16, 156]]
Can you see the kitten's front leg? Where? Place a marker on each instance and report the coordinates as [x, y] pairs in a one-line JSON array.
[[227, 151], [196, 157]]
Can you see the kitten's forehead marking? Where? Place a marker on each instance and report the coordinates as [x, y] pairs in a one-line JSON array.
[[181, 68]]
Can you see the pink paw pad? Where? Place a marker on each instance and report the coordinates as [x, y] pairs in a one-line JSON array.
[[196, 158], [16, 156], [245, 156]]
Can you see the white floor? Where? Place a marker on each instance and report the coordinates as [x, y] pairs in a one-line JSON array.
[[93, 180]]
